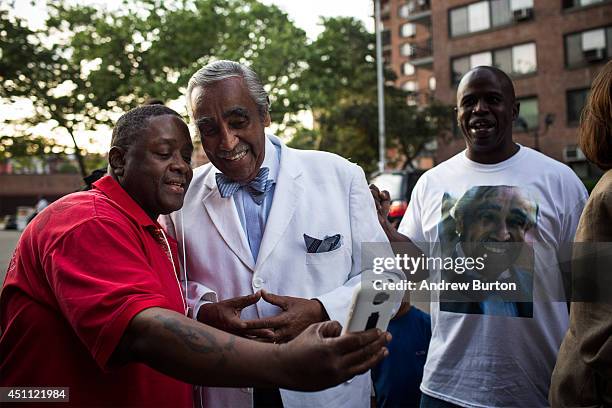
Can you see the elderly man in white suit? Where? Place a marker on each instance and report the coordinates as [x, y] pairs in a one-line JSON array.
[[271, 235]]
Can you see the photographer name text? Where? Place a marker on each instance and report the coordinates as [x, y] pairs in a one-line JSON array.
[[474, 285]]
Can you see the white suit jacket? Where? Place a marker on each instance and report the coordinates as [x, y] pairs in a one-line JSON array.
[[317, 193]]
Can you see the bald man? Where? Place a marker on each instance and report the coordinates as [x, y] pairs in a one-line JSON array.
[[490, 356]]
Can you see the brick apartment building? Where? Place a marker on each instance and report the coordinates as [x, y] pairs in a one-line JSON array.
[[552, 49], [407, 46]]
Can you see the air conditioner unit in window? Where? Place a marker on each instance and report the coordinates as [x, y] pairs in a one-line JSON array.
[[594, 55], [573, 154], [523, 14]]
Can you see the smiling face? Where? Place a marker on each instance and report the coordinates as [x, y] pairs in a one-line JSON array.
[[155, 170], [495, 224], [486, 108], [230, 127]]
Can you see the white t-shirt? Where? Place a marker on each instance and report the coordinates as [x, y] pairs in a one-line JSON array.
[[484, 360]]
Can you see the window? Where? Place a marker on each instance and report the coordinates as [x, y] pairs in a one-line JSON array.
[[432, 83], [482, 15], [580, 3], [588, 47], [482, 58], [515, 61], [407, 30], [500, 13], [593, 39], [576, 100], [410, 86], [478, 16], [502, 59], [521, 4], [386, 38], [407, 50], [459, 21], [528, 114], [460, 67], [412, 7], [523, 59], [408, 68]]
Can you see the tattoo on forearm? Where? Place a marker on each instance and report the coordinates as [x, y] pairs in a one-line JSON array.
[[198, 339]]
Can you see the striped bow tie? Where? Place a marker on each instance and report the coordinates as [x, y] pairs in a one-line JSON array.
[[257, 188]]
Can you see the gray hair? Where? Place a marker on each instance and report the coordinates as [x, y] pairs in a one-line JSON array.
[[465, 205], [223, 69]]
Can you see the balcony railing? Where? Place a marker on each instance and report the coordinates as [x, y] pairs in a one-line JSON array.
[[416, 10], [420, 51]]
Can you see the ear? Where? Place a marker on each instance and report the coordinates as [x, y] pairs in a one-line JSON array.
[[267, 120], [459, 226], [516, 108], [116, 160]]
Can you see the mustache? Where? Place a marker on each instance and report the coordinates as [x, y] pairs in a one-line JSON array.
[[240, 148]]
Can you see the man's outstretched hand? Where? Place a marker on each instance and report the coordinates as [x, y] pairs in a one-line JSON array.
[[318, 358], [296, 315]]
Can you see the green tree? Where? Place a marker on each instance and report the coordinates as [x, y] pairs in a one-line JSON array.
[[150, 48], [340, 88], [35, 68], [89, 64]]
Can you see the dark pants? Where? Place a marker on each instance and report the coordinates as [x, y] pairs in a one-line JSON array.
[[431, 402]]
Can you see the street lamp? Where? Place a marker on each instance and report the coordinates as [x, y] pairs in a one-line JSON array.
[[521, 123], [380, 84]]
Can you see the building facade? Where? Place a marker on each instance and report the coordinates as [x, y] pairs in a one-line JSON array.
[[407, 46], [552, 49]]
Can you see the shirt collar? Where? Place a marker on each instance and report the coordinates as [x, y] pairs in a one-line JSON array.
[[113, 190], [271, 160]]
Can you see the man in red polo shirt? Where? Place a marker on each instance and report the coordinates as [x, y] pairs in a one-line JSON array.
[[92, 302]]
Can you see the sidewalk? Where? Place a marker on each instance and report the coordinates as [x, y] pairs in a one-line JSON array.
[[8, 240]]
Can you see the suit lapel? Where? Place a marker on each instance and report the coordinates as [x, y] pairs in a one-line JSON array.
[[223, 214], [287, 196]]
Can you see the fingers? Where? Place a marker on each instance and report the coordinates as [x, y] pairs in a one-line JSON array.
[[329, 329], [368, 363], [260, 334], [284, 335], [351, 342], [375, 195], [378, 194], [375, 191], [361, 360], [382, 200], [276, 300], [364, 353], [266, 323], [244, 301], [234, 324], [385, 196]]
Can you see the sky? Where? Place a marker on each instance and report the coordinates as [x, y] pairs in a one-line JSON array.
[[304, 15]]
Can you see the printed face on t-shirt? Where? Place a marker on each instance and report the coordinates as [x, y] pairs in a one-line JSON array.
[[491, 217], [490, 226]]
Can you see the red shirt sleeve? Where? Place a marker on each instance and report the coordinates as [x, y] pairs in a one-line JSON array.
[[102, 278]]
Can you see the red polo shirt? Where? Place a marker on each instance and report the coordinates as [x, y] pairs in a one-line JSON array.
[[83, 268]]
